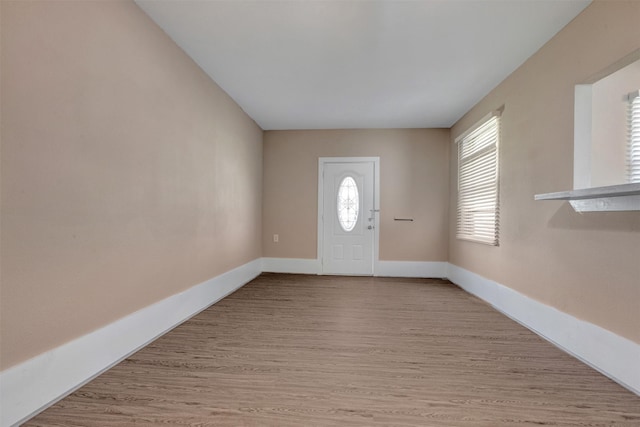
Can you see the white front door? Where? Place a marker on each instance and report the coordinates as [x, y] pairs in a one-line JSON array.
[[348, 219]]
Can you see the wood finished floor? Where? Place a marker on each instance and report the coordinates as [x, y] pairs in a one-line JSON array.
[[290, 350]]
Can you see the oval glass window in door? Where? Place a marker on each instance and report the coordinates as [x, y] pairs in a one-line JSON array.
[[348, 203]]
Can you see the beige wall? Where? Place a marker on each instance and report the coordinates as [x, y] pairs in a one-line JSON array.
[[127, 174], [587, 265], [413, 182]]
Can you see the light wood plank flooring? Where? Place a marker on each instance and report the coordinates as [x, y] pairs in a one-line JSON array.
[[291, 350]]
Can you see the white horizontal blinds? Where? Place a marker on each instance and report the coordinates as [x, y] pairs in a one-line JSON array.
[[634, 137], [478, 208]]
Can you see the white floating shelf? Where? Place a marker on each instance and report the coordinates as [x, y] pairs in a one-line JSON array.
[[623, 197]]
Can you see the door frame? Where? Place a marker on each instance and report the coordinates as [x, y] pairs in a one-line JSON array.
[[376, 204]]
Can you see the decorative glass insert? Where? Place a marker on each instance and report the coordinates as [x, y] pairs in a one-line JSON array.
[[348, 203]]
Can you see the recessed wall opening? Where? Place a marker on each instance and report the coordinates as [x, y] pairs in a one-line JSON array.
[[602, 138]]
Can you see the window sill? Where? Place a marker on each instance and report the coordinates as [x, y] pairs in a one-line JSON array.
[[624, 197]]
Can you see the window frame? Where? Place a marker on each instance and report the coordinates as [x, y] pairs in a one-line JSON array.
[[469, 225], [633, 144]]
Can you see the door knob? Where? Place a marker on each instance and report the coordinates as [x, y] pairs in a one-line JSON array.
[[370, 227]]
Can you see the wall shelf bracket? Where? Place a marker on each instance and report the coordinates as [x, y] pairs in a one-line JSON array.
[[623, 197]]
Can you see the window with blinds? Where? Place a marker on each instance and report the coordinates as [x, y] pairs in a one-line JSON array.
[[634, 137], [478, 208]]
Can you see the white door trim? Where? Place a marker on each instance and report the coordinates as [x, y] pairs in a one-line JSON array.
[[376, 203]]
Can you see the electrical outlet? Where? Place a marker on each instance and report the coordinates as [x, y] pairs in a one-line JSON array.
[[276, 238]]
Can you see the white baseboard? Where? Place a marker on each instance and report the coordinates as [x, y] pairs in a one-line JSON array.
[[290, 265], [411, 269], [614, 356], [33, 385], [382, 268], [30, 387]]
